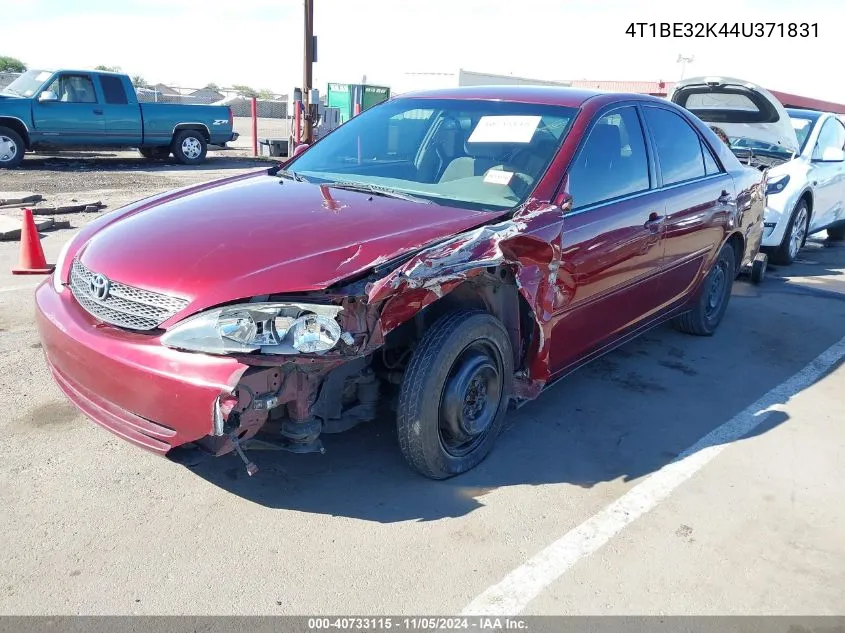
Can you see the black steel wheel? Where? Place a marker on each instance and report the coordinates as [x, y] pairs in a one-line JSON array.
[[712, 301], [455, 393]]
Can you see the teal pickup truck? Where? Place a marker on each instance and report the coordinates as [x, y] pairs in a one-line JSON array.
[[82, 109]]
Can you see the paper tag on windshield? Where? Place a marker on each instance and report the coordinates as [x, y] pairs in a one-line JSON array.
[[504, 129], [498, 176]]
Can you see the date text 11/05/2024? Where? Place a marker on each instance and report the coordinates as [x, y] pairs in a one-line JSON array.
[[723, 29], [423, 623]]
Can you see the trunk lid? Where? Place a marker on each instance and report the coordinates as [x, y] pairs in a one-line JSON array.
[[742, 109]]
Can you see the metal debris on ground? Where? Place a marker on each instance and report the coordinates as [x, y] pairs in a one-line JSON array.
[[18, 198]]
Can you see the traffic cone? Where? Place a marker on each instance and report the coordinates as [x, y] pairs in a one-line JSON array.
[[31, 261]]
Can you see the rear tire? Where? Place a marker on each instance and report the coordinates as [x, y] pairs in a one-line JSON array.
[[455, 394], [795, 235], [836, 233], [189, 147], [711, 304], [758, 269], [12, 148]]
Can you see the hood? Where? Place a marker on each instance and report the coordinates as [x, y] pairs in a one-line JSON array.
[[262, 235], [741, 108]]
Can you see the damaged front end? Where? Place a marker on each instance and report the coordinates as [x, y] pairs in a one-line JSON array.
[[325, 361]]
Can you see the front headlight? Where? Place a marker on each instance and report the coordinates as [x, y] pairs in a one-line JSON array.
[[272, 328], [777, 185], [58, 281]]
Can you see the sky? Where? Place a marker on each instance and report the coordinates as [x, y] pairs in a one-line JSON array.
[[259, 42]]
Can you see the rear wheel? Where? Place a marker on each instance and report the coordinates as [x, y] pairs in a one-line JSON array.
[[11, 148], [794, 236], [836, 233], [455, 393], [155, 153], [710, 307], [758, 268], [189, 147]]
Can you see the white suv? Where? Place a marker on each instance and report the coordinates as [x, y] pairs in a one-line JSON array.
[[802, 151]]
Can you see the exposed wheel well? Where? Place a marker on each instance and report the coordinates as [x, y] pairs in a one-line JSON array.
[[494, 291], [17, 126], [193, 126]]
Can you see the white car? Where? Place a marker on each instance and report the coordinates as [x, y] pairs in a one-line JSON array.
[[803, 152]]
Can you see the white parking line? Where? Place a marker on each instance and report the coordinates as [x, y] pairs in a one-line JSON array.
[[523, 584]]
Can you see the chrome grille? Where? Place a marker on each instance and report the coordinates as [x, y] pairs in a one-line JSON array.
[[124, 306]]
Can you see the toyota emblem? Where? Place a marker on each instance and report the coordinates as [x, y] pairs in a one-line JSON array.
[[100, 287]]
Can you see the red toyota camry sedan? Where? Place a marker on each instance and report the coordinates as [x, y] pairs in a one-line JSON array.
[[447, 253]]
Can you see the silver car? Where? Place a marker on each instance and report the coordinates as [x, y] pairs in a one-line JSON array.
[[802, 151]]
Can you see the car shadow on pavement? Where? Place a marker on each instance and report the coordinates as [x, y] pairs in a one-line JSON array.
[[619, 419]]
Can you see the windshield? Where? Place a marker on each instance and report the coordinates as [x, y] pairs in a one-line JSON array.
[[480, 154], [743, 143], [27, 84], [802, 128]]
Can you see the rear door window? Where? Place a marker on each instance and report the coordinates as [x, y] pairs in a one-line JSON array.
[[679, 150], [113, 90]]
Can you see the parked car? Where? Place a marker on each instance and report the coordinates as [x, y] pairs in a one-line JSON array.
[[73, 109], [444, 252], [802, 151]]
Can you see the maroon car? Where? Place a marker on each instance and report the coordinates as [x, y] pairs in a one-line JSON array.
[[446, 253]]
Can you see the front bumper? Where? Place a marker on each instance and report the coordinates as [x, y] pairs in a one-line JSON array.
[[148, 394]]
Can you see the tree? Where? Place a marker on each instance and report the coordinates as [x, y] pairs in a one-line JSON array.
[[264, 93], [244, 91], [108, 69], [212, 86], [11, 65], [139, 82]]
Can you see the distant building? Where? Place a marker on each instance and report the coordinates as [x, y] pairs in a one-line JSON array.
[[206, 95], [166, 90], [434, 80], [655, 88]]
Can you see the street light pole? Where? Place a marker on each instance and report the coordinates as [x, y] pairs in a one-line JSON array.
[[307, 128], [684, 61]]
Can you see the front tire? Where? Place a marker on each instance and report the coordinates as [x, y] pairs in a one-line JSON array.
[[455, 394], [711, 304], [189, 147], [795, 235], [11, 148]]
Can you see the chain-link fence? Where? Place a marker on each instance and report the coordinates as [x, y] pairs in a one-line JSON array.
[[7, 78]]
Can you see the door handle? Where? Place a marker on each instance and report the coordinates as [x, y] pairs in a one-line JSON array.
[[724, 198], [97, 111]]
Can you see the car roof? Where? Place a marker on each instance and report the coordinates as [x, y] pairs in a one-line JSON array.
[[544, 95]]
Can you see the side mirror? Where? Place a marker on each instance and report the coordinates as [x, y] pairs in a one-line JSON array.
[[48, 95], [833, 155]]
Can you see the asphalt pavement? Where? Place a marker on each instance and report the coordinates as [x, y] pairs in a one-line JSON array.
[[600, 497]]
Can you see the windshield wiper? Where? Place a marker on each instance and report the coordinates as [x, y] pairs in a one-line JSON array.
[[376, 190], [291, 175]]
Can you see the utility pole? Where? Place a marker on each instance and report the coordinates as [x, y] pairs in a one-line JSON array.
[[307, 128], [684, 61]]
